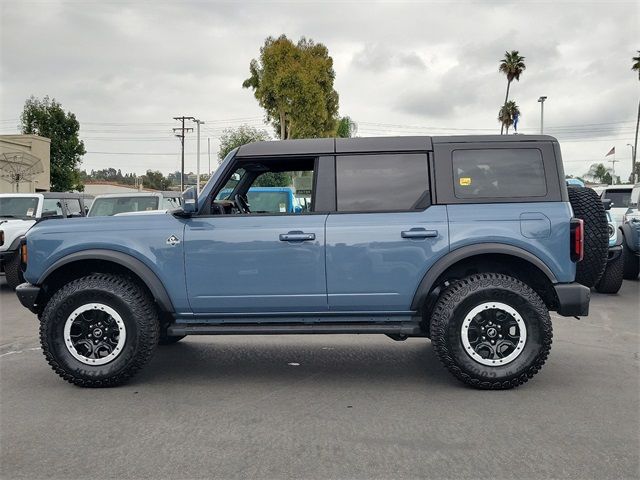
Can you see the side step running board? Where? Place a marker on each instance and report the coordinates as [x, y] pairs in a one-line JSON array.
[[399, 328]]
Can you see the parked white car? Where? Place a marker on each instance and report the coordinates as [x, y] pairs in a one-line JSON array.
[[21, 211], [118, 203], [619, 196]]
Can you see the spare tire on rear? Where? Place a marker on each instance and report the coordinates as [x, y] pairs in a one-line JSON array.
[[587, 206]]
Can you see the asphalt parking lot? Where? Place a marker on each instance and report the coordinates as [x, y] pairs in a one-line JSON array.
[[327, 407]]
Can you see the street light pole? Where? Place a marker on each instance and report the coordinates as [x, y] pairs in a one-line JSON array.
[[634, 178], [198, 122], [541, 100]]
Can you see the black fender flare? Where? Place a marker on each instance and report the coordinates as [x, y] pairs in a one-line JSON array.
[[147, 275], [468, 251], [629, 235], [15, 244]]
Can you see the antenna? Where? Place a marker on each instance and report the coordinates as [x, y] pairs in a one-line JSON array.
[[19, 167]]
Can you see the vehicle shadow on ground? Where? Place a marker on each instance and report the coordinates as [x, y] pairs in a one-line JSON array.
[[195, 361]]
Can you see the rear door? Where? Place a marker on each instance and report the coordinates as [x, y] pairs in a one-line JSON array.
[[385, 234]]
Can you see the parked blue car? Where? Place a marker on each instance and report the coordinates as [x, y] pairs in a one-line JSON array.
[[468, 241]]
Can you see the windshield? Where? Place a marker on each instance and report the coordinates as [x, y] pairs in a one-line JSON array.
[[18, 207], [619, 198], [272, 202], [107, 206]]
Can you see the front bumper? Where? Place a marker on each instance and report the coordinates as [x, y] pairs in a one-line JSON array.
[[573, 299], [614, 253], [28, 296]]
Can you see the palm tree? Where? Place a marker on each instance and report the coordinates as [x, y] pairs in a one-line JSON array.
[[636, 64], [512, 65], [507, 114], [598, 173]]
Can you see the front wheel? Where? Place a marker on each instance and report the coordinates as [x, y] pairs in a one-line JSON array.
[[99, 330], [611, 279], [491, 331], [13, 271]]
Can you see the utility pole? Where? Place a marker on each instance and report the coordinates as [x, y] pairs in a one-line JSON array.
[[541, 100], [209, 154], [613, 167], [634, 178], [182, 131], [199, 122]]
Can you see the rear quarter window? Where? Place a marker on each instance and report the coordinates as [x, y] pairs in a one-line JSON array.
[[498, 173]]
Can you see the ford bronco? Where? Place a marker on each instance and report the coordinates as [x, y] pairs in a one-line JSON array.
[[469, 241]]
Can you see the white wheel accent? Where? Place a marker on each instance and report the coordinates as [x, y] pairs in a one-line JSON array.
[[116, 350], [493, 362]]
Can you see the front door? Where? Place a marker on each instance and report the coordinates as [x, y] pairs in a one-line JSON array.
[[261, 264]]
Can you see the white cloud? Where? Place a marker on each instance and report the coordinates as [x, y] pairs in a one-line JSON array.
[[126, 69]]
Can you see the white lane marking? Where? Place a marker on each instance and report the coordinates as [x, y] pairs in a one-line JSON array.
[[11, 352]]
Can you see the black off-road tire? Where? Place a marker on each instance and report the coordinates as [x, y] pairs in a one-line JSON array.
[[631, 263], [587, 206], [463, 296], [129, 300], [13, 271], [611, 279]]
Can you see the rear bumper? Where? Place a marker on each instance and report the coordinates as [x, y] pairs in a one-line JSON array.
[[573, 299], [28, 296]]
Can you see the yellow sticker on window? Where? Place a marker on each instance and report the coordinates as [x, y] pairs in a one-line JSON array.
[[465, 181]]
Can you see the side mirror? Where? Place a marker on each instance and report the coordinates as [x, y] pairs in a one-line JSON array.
[[190, 200], [607, 203]]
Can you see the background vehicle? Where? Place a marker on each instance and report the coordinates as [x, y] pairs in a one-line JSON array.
[[19, 212], [612, 277], [115, 203], [620, 196], [630, 231], [270, 199], [469, 241]]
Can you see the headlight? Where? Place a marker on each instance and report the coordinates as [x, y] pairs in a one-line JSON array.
[[1, 237], [612, 231]]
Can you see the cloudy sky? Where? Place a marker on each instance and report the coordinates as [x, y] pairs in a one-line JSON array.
[[126, 68]]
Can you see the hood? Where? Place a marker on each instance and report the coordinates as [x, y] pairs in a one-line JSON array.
[[13, 228]]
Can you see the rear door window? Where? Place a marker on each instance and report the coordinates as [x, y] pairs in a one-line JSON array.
[[498, 173], [380, 183]]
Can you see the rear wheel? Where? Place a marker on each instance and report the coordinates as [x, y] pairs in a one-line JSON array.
[[491, 331], [13, 271], [587, 206], [611, 279], [99, 330]]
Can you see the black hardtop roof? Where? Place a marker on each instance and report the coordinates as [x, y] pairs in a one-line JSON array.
[[64, 195], [330, 146]]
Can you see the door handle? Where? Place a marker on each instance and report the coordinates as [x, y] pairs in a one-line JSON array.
[[297, 237], [419, 233]]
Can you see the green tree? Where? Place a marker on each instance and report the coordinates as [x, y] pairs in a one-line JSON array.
[[507, 114], [155, 180], [236, 137], [598, 173], [294, 85], [46, 117], [512, 65], [347, 128], [273, 179]]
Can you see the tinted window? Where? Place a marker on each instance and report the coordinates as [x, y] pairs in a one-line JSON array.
[[369, 183], [619, 197], [498, 173]]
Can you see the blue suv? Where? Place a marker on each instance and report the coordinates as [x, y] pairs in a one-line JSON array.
[[468, 241]]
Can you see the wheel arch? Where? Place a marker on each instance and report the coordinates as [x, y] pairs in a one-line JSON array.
[[99, 260], [478, 258]]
